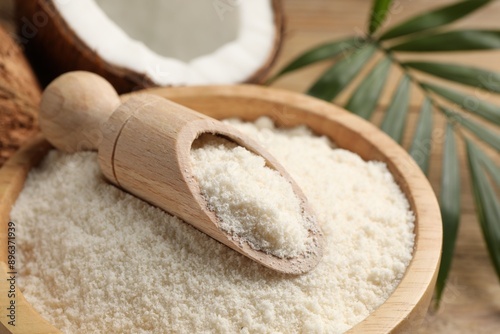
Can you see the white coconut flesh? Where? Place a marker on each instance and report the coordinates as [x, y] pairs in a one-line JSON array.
[[177, 42]]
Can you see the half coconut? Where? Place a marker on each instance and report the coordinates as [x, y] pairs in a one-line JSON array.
[[136, 44]]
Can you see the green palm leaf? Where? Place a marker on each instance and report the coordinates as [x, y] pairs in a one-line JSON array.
[[319, 53], [428, 35], [467, 75], [434, 19], [488, 164], [457, 40], [394, 121], [470, 103], [480, 131], [487, 204], [450, 207], [334, 80], [492, 168], [421, 146], [378, 15], [364, 99]]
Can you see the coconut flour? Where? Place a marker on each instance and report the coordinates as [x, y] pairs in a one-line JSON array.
[[96, 259], [252, 202]]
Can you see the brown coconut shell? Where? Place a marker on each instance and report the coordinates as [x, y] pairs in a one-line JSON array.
[[19, 97], [54, 48]]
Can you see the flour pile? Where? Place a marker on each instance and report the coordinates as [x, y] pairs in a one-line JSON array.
[[252, 202], [96, 259]]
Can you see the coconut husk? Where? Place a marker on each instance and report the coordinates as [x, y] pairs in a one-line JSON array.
[[53, 48], [19, 97]]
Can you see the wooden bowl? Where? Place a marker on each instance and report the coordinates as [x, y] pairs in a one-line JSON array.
[[407, 305]]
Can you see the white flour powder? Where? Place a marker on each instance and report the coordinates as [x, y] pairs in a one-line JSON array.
[[95, 259], [252, 201]]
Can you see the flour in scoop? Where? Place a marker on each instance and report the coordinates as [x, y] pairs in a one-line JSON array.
[[94, 259], [253, 203]]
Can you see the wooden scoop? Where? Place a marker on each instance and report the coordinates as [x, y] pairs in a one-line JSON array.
[[144, 148]]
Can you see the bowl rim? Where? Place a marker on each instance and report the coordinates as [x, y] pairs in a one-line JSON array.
[[405, 307]]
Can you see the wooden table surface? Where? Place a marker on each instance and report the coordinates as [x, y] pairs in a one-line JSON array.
[[471, 302]]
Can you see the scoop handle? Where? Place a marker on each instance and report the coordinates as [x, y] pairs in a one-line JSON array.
[[74, 109]]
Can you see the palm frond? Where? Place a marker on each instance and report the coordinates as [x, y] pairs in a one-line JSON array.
[[427, 32]]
